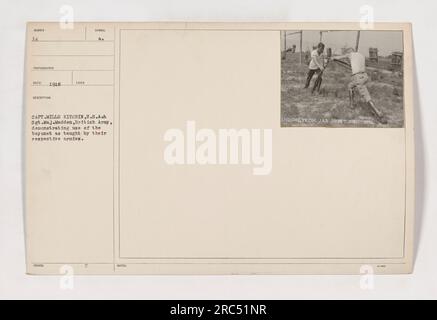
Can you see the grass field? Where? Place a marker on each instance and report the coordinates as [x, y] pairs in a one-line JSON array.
[[330, 107]]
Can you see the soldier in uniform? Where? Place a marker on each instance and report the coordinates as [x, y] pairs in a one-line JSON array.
[[359, 80], [317, 65]]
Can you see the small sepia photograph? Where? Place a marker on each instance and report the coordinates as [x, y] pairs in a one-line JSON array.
[[335, 78]]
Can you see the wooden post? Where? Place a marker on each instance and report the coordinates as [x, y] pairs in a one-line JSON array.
[[301, 40], [285, 41], [284, 51], [358, 41]]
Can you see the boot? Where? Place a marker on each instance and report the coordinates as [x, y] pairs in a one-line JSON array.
[[351, 99], [317, 84], [379, 115]]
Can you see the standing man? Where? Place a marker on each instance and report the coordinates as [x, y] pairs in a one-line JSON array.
[[317, 65], [359, 80]]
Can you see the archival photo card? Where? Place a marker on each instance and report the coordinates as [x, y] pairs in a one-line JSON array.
[[157, 148], [333, 78]]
